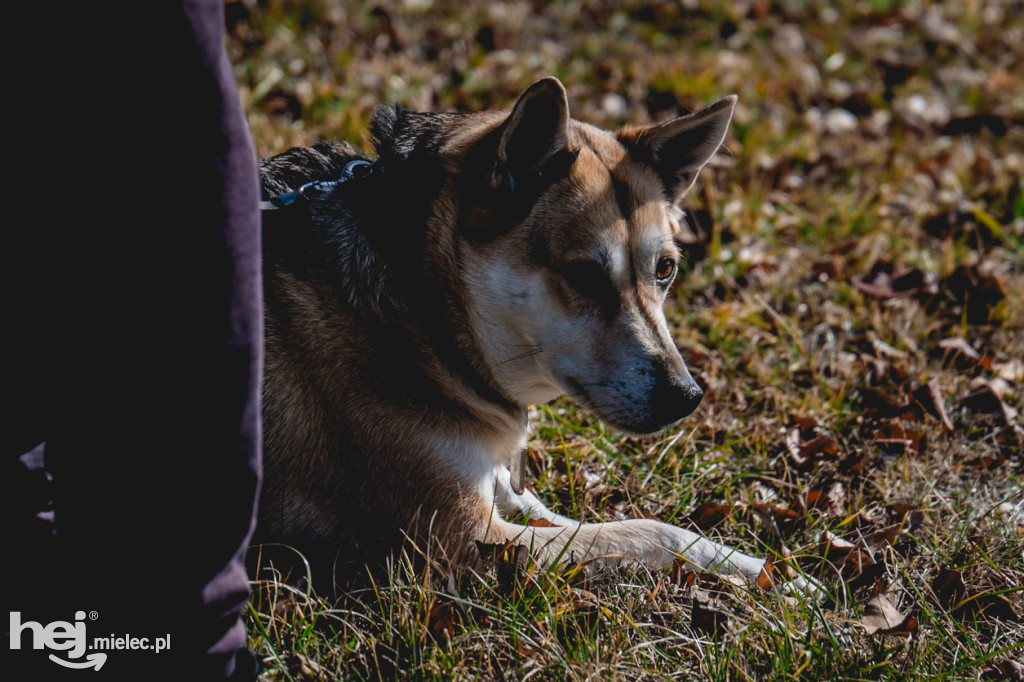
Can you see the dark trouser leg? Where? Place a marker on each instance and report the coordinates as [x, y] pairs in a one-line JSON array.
[[140, 365]]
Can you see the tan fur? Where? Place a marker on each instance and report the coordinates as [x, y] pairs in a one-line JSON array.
[[399, 367]]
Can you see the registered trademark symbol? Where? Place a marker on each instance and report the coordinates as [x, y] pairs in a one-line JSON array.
[[93, 615]]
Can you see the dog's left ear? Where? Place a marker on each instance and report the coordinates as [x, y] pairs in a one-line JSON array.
[[680, 148], [535, 131]]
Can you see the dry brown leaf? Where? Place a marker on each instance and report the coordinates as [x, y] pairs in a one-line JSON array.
[[1004, 671], [849, 559], [876, 403], [882, 283], [302, 668], [709, 615], [929, 397], [508, 562], [894, 438], [831, 268], [986, 461], [1012, 370], [540, 522], [948, 586], [881, 617], [906, 517], [805, 449], [682, 574], [828, 499], [707, 515], [956, 352], [577, 601], [978, 293], [987, 397], [765, 578], [441, 621], [818, 446], [856, 464], [712, 606], [782, 516]]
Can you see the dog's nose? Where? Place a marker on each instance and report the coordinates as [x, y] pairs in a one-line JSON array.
[[675, 396]]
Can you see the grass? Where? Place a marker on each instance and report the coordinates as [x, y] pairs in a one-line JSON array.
[[839, 400]]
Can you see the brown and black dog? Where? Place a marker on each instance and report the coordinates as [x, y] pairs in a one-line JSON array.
[[416, 307]]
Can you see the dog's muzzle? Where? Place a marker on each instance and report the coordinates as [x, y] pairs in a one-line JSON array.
[[674, 397]]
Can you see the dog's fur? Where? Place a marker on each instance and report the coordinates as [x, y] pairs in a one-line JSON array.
[[490, 261]]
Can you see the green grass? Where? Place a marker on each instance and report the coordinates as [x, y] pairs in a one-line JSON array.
[[771, 320]]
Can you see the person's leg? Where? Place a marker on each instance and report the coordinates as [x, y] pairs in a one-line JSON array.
[[148, 316]]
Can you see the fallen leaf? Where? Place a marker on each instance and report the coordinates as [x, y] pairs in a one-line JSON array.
[[973, 124], [948, 586], [1011, 438], [540, 522], [857, 463], [955, 351], [977, 293], [963, 224], [682, 574], [876, 403], [707, 515], [986, 462], [712, 606], [577, 601], [441, 621], [709, 615], [929, 397], [507, 560], [828, 499], [986, 397], [302, 668], [881, 617], [882, 283], [850, 560], [896, 535], [998, 387], [806, 452], [783, 516], [896, 439], [985, 605], [764, 578], [885, 350], [1005, 671], [1012, 370], [831, 268], [904, 516]]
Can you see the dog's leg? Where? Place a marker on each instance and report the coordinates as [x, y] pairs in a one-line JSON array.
[[602, 545], [511, 503]]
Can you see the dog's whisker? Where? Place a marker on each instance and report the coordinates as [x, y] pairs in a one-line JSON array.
[[536, 350]]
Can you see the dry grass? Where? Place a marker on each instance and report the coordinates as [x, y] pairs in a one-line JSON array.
[[854, 307]]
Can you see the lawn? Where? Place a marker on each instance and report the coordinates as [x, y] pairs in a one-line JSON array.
[[853, 305]]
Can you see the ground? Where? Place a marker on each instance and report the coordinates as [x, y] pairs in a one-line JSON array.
[[852, 305]]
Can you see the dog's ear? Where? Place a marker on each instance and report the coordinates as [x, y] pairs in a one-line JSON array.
[[535, 131], [680, 148]]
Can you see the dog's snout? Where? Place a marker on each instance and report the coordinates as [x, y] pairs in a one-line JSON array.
[[675, 396]]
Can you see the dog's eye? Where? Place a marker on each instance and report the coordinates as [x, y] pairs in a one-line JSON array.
[[665, 270]]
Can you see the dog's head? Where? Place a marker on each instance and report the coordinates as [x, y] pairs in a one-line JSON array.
[[565, 243]]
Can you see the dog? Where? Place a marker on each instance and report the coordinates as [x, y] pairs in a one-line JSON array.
[[417, 303]]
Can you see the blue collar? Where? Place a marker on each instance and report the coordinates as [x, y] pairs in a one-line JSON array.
[[359, 168]]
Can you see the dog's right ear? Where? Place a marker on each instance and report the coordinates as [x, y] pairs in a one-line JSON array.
[[535, 131], [680, 148]]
